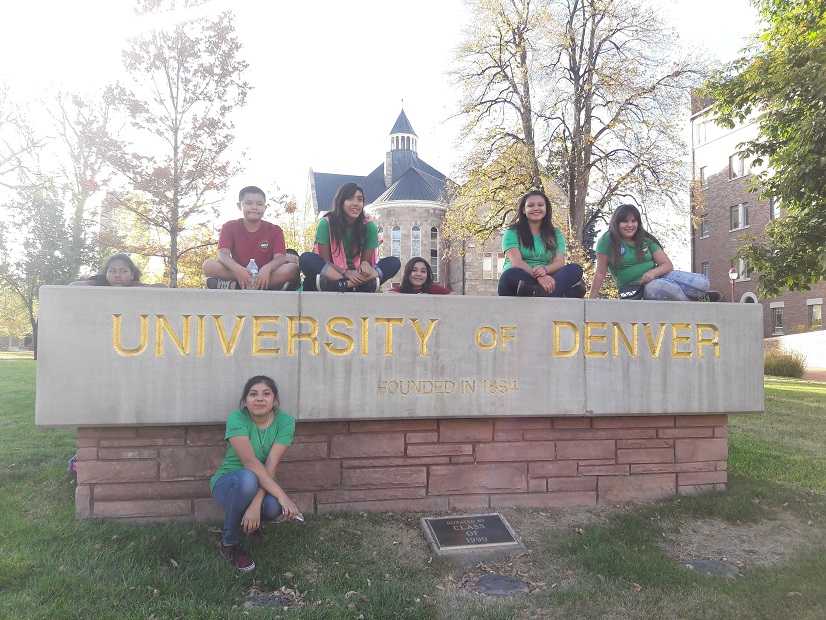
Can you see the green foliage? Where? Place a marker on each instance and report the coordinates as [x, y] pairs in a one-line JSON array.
[[781, 81], [779, 362]]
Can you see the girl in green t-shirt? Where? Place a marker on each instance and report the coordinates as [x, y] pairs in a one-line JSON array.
[[634, 256], [535, 254], [345, 252]]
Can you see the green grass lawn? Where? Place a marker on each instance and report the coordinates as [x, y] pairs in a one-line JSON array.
[[581, 563]]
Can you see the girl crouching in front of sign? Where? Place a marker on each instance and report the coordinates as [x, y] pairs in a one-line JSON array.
[[245, 485], [633, 256], [418, 280], [535, 254], [346, 243], [118, 271]]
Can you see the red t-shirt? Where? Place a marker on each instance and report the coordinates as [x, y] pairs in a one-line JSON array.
[[243, 245], [434, 289]]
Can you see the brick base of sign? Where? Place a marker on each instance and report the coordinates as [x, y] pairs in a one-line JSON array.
[[162, 472]]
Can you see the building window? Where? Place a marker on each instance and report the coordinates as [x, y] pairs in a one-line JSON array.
[[396, 242], [703, 178], [815, 313], [777, 318], [741, 265], [434, 253], [415, 242], [488, 266], [739, 216], [705, 269], [700, 134], [703, 226], [736, 166], [774, 207]]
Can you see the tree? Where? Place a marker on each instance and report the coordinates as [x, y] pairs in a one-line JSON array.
[[185, 81], [587, 93], [14, 318], [781, 79]]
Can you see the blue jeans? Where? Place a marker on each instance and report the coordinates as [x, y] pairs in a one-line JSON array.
[[234, 493], [677, 286], [312, 264], [565, 278]]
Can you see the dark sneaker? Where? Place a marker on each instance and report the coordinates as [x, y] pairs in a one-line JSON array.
[[219, 284], [577, 291], [237, 557], [523, 289], [712, 296], [369, 287], [330, 286]]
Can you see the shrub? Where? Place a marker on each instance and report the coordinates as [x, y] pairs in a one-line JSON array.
[[779, 362]]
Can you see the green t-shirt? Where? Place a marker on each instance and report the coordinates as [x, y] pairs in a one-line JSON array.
[[240, 424], [629, 270], [540, 255], [371, 238]]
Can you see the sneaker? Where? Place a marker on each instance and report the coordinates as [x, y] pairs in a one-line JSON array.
[[577, 291], [523, 289], [370, 287], [219, 284], [712, 296], [237, 557], [330, 286]]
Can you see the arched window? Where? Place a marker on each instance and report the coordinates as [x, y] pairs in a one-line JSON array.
[[434, 252], [396, 242], [415, 242], [407, 142]]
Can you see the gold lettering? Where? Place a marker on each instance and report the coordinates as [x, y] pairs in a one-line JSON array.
[[714, 341], [201, 323], [389, 324], [293, 323], [229, 345], [655, 350], [258, 334], [677, 340], [117, 336], [591, 337], [162, 325], [505, 336], [558, 351], [620, 335], [491, 332], [332, 331], [365, 335], [423, 336]]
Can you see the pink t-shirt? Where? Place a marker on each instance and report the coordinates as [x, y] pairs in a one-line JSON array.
[[243, 245]]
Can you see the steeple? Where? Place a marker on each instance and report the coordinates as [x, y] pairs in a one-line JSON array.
[[402, 136]]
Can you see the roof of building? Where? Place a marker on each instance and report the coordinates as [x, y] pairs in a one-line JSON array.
[[402, 125], [414, 185]]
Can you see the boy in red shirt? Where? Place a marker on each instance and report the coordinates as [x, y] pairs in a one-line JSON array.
[[251, 238]]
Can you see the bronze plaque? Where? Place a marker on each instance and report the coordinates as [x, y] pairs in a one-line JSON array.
[[470, 533]]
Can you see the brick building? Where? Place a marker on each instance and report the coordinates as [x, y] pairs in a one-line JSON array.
[[725, 212]]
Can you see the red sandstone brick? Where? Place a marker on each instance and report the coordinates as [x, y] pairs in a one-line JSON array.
[[587, 483], [721, 465], [304, 429], [83, 502], [465, 430], [710, 477], [603, 470], [585, 449], [112, 454], [642, 488], [431, 437], [393, 462], [160, 432], [393, 426], [702, 420], [591, 435], [462, 459], [571, 422], [87, 454], [699, 489], [720, 431], [305, 502], [625, 444], [152, 490], [425, 504], [508, 436], [379, 477], [480, 478], [144, 508], [306, 451], [310, 475], [646, 455], [466, 502], [369, 495], [687, 450], [87, 443], [633, 421], [560, 499], [366, 445], [102, 432], [690, 431], [205, 435], [439, 449], [209, 510], [90, 472], [588, 462], [537, 485], [672, 468], [512, 424], [552, 469], [190, 463], [139, 443], [516, 451]]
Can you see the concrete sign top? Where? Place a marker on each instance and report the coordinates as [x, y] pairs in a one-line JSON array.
[[110, 356]]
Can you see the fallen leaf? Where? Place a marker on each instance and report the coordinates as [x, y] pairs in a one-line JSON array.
[[442, 588], [288, 575], [636, 586], [351, 607], [794, 594], [368, 583], [349, 594], [579, 530], [397, 542], [174, 563], [115, 537]]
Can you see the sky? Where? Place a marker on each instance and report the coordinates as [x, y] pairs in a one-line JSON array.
[[329, 77]]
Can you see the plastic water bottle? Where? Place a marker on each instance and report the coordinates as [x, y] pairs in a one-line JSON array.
[[253, 269]]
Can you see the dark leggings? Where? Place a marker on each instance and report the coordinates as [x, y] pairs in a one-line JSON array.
[[312, 264], [565, 278]]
